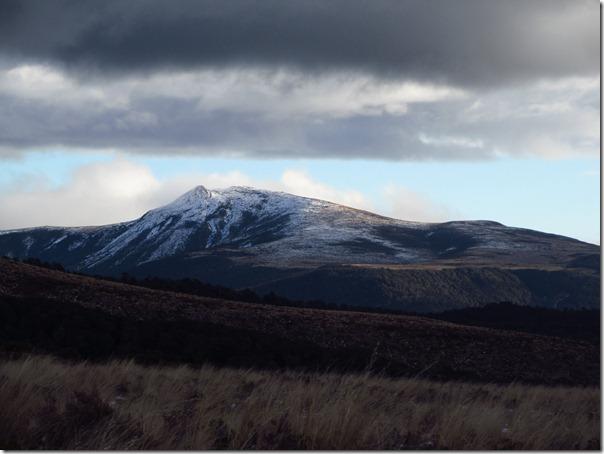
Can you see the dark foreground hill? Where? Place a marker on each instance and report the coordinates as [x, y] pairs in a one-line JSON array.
[[81, 317], [311, 249]]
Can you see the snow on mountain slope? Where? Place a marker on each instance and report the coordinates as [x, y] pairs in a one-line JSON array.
[[282, 229]]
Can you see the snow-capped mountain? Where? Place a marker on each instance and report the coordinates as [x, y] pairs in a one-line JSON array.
[[311, 249], [278, 229]]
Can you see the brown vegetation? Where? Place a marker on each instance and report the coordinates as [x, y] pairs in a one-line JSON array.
[[122, 405], [255, 399], [50, 311]]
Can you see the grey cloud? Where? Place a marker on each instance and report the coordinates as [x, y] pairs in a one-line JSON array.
[[463, 42], [517, 122], [381, 79]]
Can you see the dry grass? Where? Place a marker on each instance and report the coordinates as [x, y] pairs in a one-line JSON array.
[[45, 403]]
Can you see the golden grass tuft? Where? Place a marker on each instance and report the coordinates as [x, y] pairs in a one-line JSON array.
[[49, 404]]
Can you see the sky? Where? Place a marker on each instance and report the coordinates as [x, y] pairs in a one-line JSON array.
[[426, 110]]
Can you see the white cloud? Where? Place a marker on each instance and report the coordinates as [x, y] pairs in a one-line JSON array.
[[551, 118], [450, 141], [280, 92], [48, 85], [96, 194], [300, 183], [121, 190], [285, 92], [402, 203], [286, 113]]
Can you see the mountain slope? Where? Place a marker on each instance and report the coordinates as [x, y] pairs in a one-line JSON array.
[[73, 315], [245, 237], [286, 229]]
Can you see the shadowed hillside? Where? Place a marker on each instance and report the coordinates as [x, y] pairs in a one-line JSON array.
[[77, 316]]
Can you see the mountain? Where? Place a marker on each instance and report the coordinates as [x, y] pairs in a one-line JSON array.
[[312, 249]]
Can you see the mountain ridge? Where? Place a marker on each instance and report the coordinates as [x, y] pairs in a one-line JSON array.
[[270, 240], [210, 207], [202, 189]]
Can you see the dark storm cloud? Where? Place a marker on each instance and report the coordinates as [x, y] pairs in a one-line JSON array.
[[465, 42], [379, 79]]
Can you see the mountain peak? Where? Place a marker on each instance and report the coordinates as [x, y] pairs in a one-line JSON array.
[[197, 191], [190, 198]]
